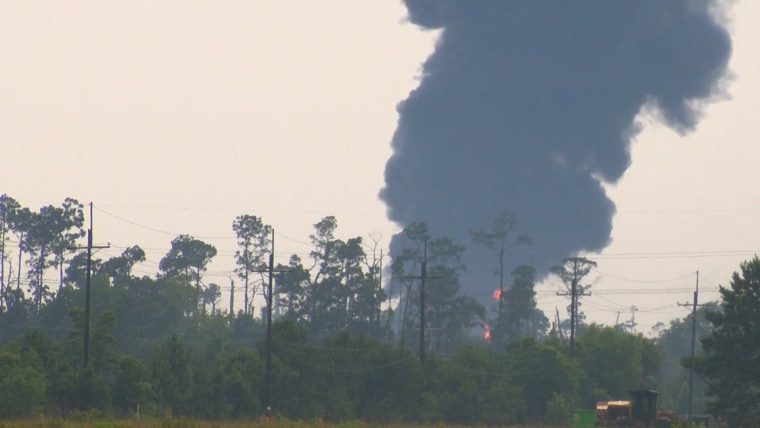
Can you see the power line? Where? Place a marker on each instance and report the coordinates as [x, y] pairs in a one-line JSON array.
[[166, 232], [603, 256], [640, 281], [627, 291], [153, 229], [675, 254], [257, 210]]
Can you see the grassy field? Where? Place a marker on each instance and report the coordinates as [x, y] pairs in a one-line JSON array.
[[190, 423], [166, 423]]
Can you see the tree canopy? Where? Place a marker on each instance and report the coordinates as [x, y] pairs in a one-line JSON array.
[[338, 328], [730, 351]]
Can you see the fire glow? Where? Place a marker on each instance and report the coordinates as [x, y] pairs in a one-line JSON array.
[[486, 332]]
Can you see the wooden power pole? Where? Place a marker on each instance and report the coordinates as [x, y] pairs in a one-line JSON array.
[[270, 291], [694, 304], [422, 277], [86, 327]]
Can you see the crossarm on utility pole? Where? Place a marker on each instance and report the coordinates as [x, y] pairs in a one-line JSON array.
[[86, 327], [270, 270], [422, 279], [694, 304]]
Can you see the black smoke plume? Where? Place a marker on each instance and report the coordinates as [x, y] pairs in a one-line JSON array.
[[526, 106]]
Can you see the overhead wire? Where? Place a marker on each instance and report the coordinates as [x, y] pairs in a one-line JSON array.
[[674, 254], [157, 230], [542, 295], [239, 210], [653, 281], [153, 229]]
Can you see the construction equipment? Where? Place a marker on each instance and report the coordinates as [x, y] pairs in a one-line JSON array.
[[642, 410], [607, 412]]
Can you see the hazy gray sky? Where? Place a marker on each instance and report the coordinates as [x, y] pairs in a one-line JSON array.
[[174, 117]]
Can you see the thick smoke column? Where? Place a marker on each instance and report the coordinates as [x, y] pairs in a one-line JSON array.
[[526, 105]]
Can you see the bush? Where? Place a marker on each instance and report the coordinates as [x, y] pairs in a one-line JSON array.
[[557, 410]]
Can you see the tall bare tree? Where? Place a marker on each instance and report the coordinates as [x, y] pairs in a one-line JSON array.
[[8, 208], [254, 242], [499, 239], [571, 272], [21, 224]]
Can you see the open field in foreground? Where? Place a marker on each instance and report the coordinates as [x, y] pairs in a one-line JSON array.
[[190, 423]]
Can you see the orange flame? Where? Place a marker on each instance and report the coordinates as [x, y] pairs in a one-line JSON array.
[[486, 332], [496, 294]]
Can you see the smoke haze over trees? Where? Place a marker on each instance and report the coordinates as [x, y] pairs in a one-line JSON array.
[[530, 106], [341, 348], [523, 113]]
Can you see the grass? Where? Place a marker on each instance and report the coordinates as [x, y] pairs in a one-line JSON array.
[[193, 423]]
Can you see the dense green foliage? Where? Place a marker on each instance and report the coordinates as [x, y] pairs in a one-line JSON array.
[[675, 344], [343, 347], [342, 378], [729, 363]]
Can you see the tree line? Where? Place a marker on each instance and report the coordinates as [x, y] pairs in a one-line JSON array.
[[337, 288], [343, 345]]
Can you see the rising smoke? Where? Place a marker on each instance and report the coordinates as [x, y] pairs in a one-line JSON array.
[[526, 106]]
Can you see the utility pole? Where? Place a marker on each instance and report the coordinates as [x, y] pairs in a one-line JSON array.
[[232, 300], [693, 305], [269, 329], [271, 271], [380, 286], [424, 276], [89, 247], [86, 358], [246, 305], [422, 306], [574, 311]]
